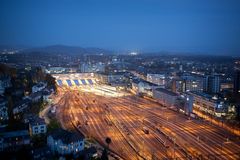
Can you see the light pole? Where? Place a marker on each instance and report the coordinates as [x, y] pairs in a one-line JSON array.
[[222, 148], [174, 141], [143, 148]]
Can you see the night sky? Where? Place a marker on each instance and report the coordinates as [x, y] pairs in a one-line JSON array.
[[210, 26]]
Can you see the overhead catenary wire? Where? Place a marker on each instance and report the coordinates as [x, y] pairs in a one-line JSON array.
[[177, 130]]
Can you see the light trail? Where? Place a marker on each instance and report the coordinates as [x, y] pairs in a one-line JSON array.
[[122, 118]]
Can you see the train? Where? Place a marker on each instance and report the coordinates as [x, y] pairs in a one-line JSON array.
[[145, 130]]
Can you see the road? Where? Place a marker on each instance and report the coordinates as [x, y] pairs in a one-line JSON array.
[[125, 120]]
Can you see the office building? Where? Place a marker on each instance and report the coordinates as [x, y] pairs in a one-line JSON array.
[[191, 83], [211, 84], [158, 79], [92, 68], [206, 103], [142, 87]]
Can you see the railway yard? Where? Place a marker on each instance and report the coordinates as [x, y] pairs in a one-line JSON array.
[[140, 128]]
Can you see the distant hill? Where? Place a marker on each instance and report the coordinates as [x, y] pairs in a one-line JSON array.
[[72, 50], [12, 48]]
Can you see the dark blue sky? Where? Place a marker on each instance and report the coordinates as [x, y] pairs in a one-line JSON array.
[[211, 26]]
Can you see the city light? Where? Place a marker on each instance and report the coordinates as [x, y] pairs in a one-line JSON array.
[[120, 80], [133, 53]]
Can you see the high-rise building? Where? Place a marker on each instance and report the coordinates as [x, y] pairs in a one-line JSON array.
[[178, 85], [192, 83], [236, 85], [211, 84], [174, 85]]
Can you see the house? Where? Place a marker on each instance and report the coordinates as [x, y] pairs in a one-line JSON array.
[[14, 139], [3, 110], [37, 126], [39, 87], [21, 106], [64, 142], [41, 153], [27, 117], [36, 97], [46, 95]]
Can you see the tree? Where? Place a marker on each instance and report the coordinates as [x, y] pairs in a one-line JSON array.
[[23, 153], [39, 74], [104, 155], [7, 70], [105, 152], [10, 109], [51, 81]]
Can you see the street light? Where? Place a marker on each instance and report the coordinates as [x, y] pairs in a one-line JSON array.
[[174, 141]]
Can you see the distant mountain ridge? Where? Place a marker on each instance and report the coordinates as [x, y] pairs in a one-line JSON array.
[[63, 49], [12, 47]]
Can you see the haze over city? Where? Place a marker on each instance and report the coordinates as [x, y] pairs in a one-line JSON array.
[[205, 27]]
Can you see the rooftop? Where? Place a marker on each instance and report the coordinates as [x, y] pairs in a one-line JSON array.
[[112, 73], [24, 101], [166, 91], [36, 94], [37, 121], [144, 81], [66, 136], [206, 96], [14, 134], [46, 92], [40, 84]]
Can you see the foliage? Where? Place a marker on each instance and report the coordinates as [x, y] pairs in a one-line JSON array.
[[104, 155], [54, 124], [6, 70], [51, 81], [37, 107], [39, 141]]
